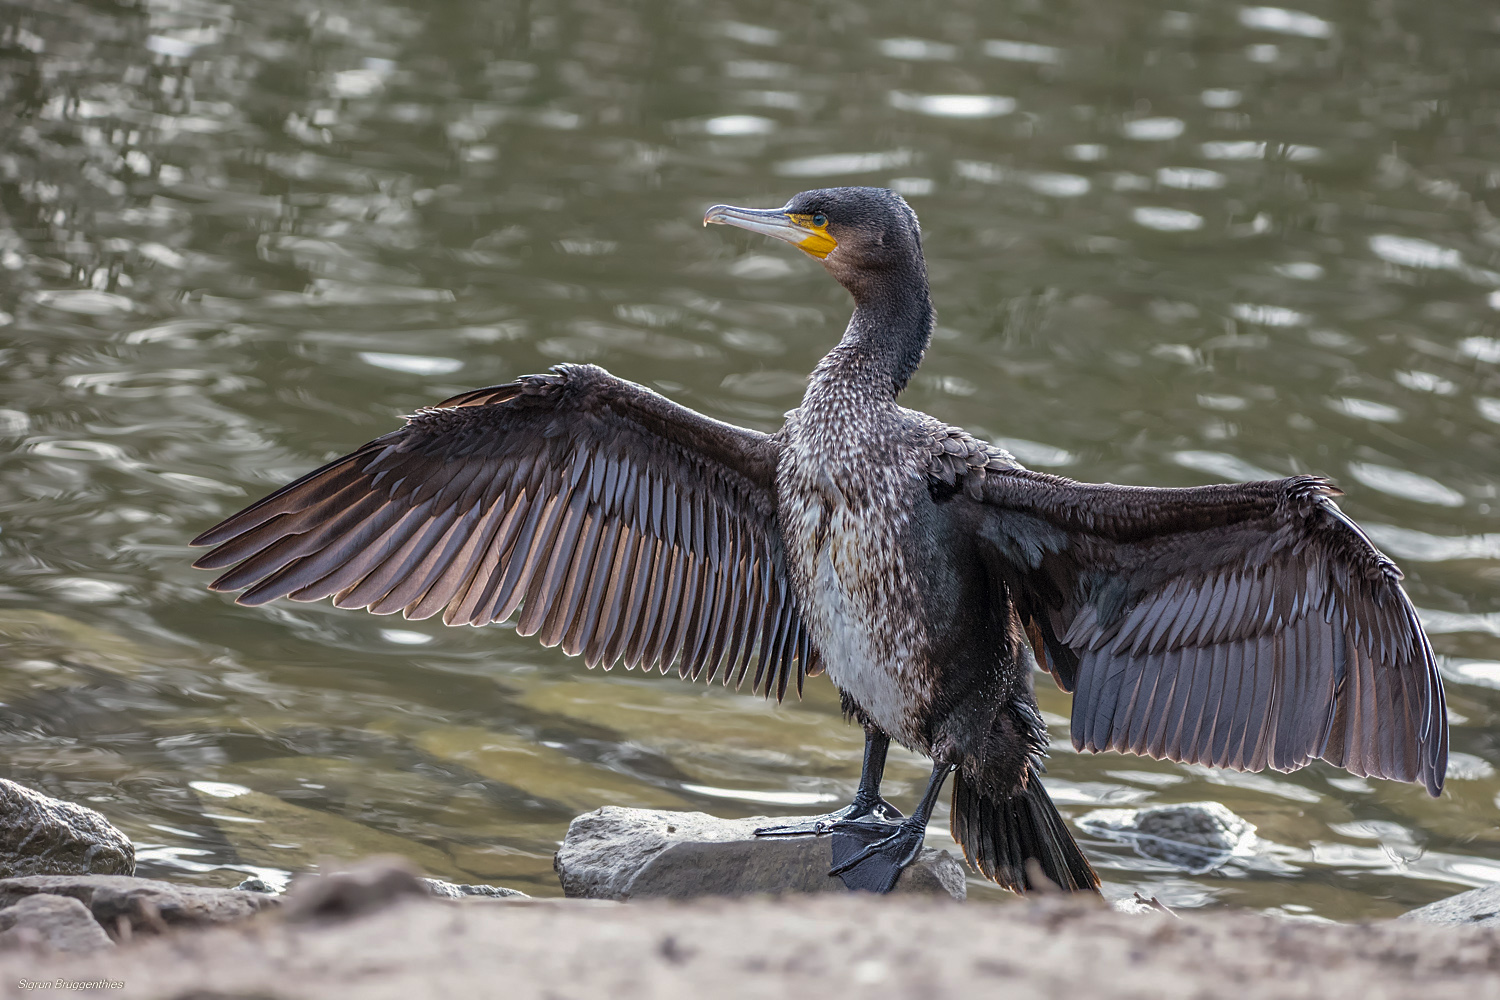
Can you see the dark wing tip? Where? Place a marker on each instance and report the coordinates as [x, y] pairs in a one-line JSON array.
[[1435, 766], [218, 586], [221, 532], [247, 599]]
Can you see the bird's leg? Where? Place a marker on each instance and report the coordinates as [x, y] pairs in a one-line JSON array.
[[877, 863], [867, 807]]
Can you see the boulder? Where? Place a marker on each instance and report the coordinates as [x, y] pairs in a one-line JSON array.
[[1475, 908], [1196, 837], [40, 835], [57, 922], [619, 853], [142, 904]]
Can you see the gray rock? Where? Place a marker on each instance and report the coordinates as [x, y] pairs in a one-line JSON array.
[[40, 835], [457, 890], [363, 887], [1475, 908], [1194, 836], [56, 922], [253, 884], [142, 904], [618, 853]]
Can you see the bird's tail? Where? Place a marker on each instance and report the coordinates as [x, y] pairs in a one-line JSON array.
[[1000, 835]]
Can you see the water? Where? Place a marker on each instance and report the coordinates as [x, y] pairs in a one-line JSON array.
[[1169, 246]]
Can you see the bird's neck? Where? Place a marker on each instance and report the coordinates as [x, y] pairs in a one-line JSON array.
[[886, 337]]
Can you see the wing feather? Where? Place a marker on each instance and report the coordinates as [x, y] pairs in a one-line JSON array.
[[1245, 626], [597, 514]]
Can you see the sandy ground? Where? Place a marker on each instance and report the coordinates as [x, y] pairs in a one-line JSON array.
[[765, 948]]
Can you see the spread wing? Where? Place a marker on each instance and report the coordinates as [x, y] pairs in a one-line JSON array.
[[1239, 626], [620, 525]]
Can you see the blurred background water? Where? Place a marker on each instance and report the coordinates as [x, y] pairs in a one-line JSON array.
[[1172, 242]]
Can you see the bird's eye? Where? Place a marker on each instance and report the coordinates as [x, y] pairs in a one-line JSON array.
[[820, 220]]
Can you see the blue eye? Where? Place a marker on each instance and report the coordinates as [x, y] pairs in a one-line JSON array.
[[820, 220]]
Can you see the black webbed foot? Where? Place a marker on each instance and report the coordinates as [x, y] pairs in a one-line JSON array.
[[872, 863], [870, 858], [866, 812]]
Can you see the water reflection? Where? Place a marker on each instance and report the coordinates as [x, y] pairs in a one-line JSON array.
[[1168, 247]]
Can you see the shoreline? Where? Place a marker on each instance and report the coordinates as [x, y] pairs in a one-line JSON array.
[[790, 946]]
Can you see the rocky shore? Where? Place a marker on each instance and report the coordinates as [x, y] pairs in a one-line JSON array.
[[792, 946], [647, 916]]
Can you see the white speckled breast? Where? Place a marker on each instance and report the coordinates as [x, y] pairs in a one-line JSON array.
[[842, 514]]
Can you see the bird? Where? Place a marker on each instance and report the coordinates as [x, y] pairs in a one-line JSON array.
[[923, 569]]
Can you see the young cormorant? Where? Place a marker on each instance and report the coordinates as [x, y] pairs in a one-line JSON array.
[[1241, 626]]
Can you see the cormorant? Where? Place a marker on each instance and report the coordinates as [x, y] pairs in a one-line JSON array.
[[1243, 626]]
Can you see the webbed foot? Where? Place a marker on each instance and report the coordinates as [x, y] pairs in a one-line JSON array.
[[870, 858], [877, 813]]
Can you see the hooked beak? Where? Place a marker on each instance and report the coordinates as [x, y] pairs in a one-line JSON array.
[[798, 230]]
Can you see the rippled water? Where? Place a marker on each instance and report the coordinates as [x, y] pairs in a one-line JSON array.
[[1168, 247]]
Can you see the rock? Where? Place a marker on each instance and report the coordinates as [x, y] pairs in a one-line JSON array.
[[40, 835], [618, 853], [142, 904], [1194, 836], [253, 884], [57, 922], [451, 890], [363, 887], [1475, 908]]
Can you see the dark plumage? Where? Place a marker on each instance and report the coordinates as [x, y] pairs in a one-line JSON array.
[[1242, 626]]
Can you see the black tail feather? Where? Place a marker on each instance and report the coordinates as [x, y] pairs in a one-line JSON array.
[[1000, 835]]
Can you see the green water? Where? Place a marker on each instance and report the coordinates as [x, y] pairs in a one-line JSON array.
[[1169, 245]]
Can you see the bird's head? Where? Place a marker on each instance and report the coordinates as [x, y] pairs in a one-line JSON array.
[[861, 234]]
